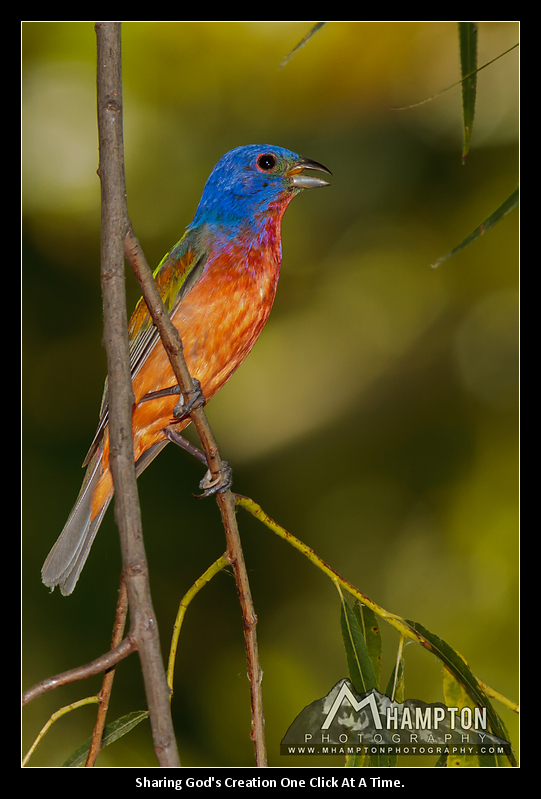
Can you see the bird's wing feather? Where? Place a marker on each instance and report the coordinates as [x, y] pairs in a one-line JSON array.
[[175, 276]]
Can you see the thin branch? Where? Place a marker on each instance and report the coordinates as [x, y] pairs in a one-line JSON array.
[[226, 501], [89, 700], [205, 578], [102, 663], [235, 556], [107, 685], [172, 343], [407, 629], [114, 221]]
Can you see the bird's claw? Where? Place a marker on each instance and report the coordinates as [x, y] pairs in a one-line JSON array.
[[219, 485], [189, 401]]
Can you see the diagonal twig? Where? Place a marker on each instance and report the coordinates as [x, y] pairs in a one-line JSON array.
[[226, 501], [107, 661]]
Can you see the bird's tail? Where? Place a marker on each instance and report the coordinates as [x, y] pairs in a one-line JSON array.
[[66, 559]]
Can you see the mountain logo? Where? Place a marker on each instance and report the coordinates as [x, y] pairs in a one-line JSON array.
[[345, 722]]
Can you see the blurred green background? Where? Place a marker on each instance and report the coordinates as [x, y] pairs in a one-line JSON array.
[[376, 418]]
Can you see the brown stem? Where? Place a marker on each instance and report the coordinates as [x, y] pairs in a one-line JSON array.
[[226, 501], [107, 685], [102, 663], [114, 222]]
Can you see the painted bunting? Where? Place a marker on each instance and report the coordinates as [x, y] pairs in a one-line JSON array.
[[218, 284]]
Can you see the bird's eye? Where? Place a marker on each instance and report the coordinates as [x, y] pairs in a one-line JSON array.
[[266, 162]]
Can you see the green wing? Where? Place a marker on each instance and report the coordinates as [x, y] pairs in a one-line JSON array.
[[175, 276]]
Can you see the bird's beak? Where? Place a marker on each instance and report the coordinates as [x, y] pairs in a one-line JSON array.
[[300, 180]]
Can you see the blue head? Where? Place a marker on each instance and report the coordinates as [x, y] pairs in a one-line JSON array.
[[249, 179]]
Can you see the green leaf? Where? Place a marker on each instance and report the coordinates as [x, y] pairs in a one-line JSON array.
[[467, 34], [461, 672], [360, 668], [361, 672], [368, 623], [505, 208], [302, 42], [112, 732], [454, 695]]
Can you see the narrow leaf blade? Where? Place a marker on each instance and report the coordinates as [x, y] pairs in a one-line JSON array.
[[460, 670], [467, 34], [313, 29], [112, 732], [360, 668], [505, 208], [368, 623]]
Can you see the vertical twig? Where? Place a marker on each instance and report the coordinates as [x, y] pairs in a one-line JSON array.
[[235, 556], [114, 221], [107, 684]]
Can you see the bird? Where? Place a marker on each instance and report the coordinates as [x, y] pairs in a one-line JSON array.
[[218, 284]]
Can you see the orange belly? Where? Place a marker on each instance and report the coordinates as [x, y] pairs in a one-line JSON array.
[[219, 322]]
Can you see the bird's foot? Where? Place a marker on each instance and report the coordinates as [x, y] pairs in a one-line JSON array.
[[188, 402], [213, 483]]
